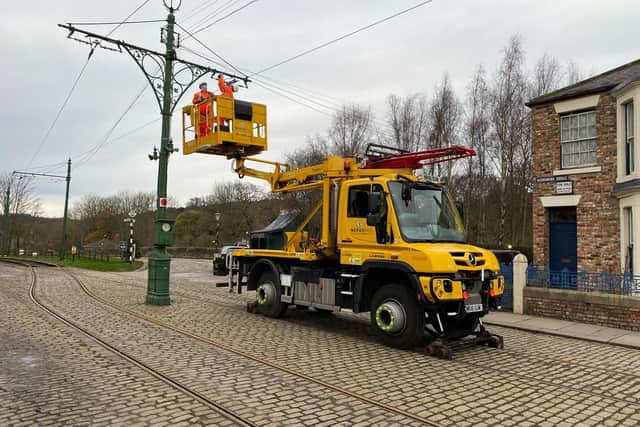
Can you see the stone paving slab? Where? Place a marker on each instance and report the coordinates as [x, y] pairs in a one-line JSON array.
[[537, 378], [51, 375], [566, 328]]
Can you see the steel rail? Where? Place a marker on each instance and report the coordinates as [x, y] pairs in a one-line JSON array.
[[339, 389], [232, 416], [251, 357]]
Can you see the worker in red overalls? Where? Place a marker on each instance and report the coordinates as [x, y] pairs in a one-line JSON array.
[[206, 114], [226, 91]]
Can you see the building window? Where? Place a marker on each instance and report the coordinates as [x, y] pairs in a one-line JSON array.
[[578, 139], [629, 240], [628, 138]]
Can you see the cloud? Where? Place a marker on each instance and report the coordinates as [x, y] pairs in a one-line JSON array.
[[406, 55]]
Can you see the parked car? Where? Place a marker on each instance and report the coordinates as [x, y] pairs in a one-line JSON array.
[[220, 260]]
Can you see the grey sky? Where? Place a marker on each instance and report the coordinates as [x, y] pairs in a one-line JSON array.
[[406, 55]]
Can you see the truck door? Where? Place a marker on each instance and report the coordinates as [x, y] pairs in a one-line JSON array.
[[355, 237]]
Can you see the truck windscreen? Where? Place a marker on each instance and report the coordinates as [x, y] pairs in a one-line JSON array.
[[425, 213]]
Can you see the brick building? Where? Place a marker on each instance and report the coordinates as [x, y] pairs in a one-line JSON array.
[[586, 189]]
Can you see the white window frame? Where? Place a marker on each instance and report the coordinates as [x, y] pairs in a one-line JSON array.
[[628, 140], [564, 144]]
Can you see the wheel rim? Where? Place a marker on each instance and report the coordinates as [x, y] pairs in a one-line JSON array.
[[265, 294], [391, 317]]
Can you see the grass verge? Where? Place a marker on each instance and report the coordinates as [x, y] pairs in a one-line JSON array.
[[114, 264]]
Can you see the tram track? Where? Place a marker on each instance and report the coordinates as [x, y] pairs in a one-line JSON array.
[[533, 359], [219, 345], [339, 389], [464, 363], [221, 410], [527, 355], [253, 358]]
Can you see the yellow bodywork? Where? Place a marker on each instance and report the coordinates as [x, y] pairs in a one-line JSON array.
[[238, 138], [346, 240]]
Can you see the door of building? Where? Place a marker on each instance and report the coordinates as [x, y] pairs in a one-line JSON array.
[[563, 243]]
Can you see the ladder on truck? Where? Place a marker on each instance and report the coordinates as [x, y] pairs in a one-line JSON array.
[[384, 157], [234, 278]]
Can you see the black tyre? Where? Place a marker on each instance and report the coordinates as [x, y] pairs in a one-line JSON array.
[[268, 295], [397, 317]]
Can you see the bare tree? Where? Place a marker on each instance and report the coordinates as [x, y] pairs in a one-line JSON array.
[[573, 73], [511, 148], [22, 202], [350, 131], [315, 150], [444, 114], [407, 121], [547, 75], [478, 122]]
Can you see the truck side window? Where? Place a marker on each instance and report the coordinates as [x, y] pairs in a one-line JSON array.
[[358, 201]]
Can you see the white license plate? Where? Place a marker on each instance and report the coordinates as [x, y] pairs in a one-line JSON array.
[[472, 308]]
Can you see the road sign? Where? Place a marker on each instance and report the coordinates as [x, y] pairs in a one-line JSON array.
[[552, 178], [564, 187]]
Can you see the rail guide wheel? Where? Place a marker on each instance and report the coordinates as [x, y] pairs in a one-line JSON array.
[[443, 348]]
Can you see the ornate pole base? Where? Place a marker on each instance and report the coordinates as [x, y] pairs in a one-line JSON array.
[[158, 278]]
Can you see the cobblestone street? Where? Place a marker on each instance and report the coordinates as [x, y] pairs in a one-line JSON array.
[[305, 369]]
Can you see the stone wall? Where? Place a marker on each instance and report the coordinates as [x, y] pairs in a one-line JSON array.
[[180, 252], [598, 222], [615, 311]]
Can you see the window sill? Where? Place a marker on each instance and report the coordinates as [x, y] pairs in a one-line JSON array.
[[626, 178], [576, 171]]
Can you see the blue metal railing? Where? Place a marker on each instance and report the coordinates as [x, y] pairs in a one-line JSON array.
[[620, 284]]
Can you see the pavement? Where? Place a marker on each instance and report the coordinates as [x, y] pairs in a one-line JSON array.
[[565, 328], [337, 372]]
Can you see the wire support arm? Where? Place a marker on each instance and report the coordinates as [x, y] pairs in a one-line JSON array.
[[152, 64]]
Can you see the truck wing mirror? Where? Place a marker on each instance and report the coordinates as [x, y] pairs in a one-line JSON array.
[[373, 219], [375, 202]]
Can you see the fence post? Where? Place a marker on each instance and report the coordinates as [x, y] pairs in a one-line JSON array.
[[520, 265]]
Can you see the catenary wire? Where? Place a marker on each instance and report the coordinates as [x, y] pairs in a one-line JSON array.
[[209, 49], [233, 12], [114, 29], [73, 88], [285, 92], [196, 10], [344, 36], [213, 14], [148, 21]]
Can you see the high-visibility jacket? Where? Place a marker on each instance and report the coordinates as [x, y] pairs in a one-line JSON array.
[[200, 96], [225, 89]]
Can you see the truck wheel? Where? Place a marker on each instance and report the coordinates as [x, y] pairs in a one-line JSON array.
[[268, 295], [396, 316]]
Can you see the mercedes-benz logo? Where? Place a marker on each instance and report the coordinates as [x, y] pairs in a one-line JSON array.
[[472, 259]]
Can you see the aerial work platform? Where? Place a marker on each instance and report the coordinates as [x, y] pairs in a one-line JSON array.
[[224, 126]]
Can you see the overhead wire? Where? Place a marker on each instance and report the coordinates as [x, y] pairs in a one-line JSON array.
[[233, 12], [196, 10], [148, 21], [220, 9], [86, 156], [73, 88], [326, 108], [209, 49], [133, 12], [342, 37]]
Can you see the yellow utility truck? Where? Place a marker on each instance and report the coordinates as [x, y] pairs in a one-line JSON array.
[[389, 242]]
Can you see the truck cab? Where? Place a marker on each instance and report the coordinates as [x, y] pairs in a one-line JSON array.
[[399, 231]]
